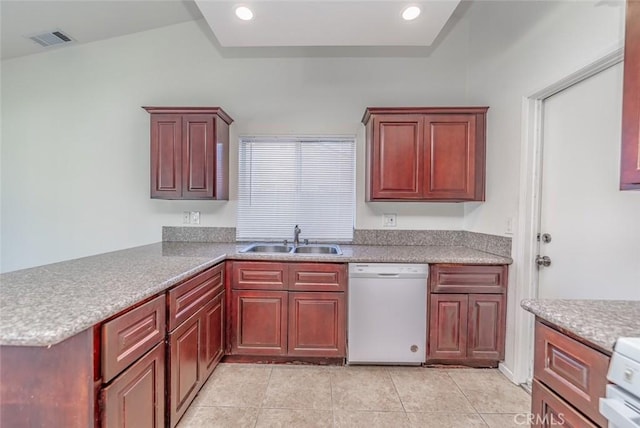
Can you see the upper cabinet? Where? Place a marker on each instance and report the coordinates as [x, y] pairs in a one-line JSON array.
[[425, 153], [189, 152], [630, 165]]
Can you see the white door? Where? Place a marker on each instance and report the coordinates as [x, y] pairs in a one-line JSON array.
[[594, 227]]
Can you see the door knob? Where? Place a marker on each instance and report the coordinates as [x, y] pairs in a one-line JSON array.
[[543, 260]]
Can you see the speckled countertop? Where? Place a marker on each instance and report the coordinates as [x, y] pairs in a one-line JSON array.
[[599, 322], [44, 305]]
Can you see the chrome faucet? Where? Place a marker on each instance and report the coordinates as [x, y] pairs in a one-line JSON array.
[[296, 235]]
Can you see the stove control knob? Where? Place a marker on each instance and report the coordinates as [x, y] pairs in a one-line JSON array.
[[628, 375]]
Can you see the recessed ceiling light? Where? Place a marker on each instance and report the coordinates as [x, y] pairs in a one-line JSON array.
[[244, 13], [410, 13]]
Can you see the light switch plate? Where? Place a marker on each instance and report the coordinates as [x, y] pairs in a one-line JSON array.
[[508, 230], [186, 217], [195, 217]]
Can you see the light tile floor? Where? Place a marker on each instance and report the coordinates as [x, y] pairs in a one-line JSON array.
[[253, 395]]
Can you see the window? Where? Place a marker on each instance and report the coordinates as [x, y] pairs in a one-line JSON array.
[[284, 181]]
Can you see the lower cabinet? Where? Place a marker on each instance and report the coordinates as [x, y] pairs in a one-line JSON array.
[[316, 324], [276, 322], [467, 314], [569, 377], [259, 322], [549, 410], [449, 339], [196, 345], [136, 397]]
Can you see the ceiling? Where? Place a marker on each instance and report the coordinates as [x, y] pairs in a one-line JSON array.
[[291, 23]]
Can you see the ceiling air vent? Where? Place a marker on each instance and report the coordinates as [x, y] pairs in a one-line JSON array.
[[51, 38]]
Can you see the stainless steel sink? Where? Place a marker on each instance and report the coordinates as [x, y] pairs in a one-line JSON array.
[[318, 249], [267, 248]]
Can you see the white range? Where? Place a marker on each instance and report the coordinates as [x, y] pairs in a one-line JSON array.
[[621, 406]]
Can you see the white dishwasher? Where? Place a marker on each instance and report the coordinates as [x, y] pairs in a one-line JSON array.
[[387, 313]]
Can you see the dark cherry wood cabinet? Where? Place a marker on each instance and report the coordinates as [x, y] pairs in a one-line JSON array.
[[213, 331], [185, 370], [141, 367], [449, 313], [51, 386], [136, 397], [127, 337], [467, 314], [317, 324], [259, 322], [486, 326], [288, 309], [425, 154], [570, 377], [189, 152], [196, 332], [133, 391], [549, 410], [630, 163]]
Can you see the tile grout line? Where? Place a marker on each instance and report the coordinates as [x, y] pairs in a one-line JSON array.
[[264, 395], [395, 387], [466, 397]]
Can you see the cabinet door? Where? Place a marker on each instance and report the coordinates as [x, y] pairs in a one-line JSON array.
[[317, 324], [136, 397], [185, 369], [259, 322], [630, 165], [450, 156], [213, 335], [448, 326], [198, 156], [549, 410], [396, 157], [486, 326], [166, 156]]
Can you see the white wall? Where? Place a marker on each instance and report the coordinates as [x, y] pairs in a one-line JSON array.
[[75, 152], [512, 59]]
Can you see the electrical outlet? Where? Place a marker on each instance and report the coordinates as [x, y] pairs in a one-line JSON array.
[[186, 217], [389, 220], [195, 217]]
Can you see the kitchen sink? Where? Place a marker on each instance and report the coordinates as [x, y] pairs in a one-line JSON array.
[[317, 249], [267, 248]]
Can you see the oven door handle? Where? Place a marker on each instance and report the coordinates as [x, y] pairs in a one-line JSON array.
[[618, 414]]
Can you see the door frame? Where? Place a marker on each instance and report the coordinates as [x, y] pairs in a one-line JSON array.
[[525, 242]]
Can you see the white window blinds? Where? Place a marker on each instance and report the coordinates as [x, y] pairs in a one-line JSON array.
[[284, 181]]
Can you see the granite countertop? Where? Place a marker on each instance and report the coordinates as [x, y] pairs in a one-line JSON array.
[[599, 322], [45, 305]]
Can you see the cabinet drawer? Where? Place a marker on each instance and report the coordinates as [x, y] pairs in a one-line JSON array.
[[549, 410], [127, 337], [187, 298], [572, 370], [317, 277], [468, 279], [259, 276]]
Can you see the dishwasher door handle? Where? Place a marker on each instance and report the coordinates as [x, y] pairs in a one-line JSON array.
[[389, 275]]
